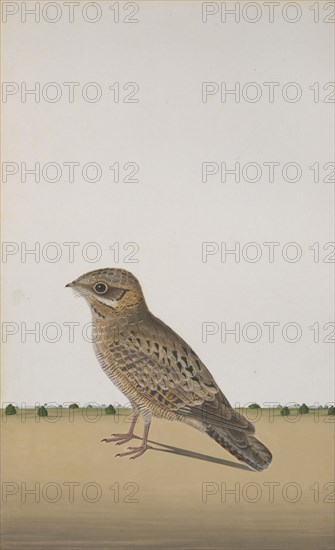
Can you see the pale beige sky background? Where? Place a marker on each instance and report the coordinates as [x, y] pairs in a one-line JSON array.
[[170, 211]]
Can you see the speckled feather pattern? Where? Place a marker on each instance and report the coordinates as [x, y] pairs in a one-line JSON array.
[[158, 371], [152, 365]]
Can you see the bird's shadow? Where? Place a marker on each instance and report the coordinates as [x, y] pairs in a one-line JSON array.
[[198, 456]]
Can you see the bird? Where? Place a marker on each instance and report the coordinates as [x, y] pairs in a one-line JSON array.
[[157, 371]]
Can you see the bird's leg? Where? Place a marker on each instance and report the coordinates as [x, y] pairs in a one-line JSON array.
[[138, 451], [119, 439]]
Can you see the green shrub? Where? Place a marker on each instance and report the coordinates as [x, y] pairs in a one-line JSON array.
[[254, 406], [74, 406], [10, 409], [331, 411], [110, 410], [285, 411], [303, 409], [42, 411]]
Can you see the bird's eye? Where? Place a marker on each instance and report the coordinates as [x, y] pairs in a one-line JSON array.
[[100, 288]]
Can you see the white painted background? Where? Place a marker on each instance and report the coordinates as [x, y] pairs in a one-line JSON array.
[[169, 133]]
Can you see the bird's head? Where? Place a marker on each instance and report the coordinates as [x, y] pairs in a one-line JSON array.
[[110, 292]]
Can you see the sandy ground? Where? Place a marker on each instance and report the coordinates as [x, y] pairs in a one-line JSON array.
[[63, 489]]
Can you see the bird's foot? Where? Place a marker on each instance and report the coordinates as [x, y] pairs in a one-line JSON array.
[[134, 451], [120, 439]]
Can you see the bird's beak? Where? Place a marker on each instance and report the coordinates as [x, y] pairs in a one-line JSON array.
[[69, 285]]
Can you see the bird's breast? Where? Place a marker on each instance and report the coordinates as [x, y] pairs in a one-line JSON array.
[[110, 346]]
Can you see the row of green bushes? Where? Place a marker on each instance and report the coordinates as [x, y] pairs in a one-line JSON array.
[[284, 411], [303, 409], [43, 411]]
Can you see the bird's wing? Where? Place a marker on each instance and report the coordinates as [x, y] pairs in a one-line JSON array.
[[164, 368]]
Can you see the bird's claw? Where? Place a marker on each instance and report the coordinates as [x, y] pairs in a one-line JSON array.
[[119, 439], [135, 451]]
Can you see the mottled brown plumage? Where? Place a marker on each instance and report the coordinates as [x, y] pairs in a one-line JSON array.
[[157, 371]]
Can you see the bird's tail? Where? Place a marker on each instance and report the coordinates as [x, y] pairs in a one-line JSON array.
[[242, 445]]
